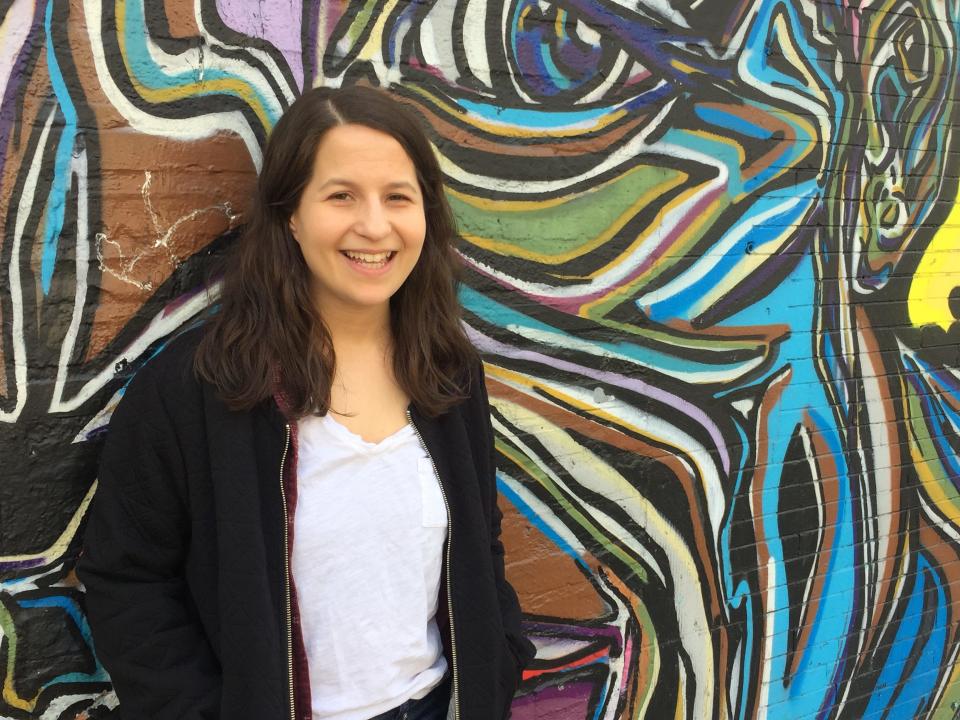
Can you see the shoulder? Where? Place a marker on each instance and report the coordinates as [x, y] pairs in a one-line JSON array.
[[167, 373], [476, 407]]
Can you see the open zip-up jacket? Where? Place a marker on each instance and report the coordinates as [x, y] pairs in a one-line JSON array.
[[186, 558]]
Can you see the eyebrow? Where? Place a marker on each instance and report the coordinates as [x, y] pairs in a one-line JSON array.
[[396, 184]]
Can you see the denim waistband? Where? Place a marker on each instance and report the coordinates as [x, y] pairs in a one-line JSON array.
[[433, 706]]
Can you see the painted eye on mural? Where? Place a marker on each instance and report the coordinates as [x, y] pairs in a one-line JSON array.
[[912, 47], [905, 53], [555, 56], [542, 54]]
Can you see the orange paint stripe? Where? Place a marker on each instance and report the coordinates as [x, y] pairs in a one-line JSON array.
[[579, 663]]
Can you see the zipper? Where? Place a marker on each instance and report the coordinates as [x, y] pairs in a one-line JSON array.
[[286, 573], [453, 634]]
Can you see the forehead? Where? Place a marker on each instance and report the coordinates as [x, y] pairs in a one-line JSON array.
[[357, 148]]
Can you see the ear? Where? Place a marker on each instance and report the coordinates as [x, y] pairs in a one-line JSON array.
[[907, 69], [292, 224]]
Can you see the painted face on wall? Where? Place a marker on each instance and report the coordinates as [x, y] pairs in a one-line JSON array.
[[360, 222], [635, 209]]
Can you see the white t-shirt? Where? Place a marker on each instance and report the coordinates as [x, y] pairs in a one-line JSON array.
[[369, 530]]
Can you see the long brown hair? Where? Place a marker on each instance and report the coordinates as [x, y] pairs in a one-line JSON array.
[[268, 328]]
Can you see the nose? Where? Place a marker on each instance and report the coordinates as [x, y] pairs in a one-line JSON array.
[[373, 221]]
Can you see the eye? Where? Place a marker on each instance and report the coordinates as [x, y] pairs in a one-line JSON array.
[[398, 197], [342, 195], [536, 53], [553, 54], [914, 51]]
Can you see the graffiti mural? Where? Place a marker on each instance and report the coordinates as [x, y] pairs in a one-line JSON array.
[[711, 255]]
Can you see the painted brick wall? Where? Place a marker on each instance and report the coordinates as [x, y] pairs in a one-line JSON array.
[[713, 258]]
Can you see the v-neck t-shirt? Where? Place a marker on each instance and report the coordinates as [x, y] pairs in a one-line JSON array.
[[369, 529]]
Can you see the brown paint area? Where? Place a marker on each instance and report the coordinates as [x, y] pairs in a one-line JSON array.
[[882, 413], [546, 579], [154, 222], [725, 338], [180, 19], [159, 200]]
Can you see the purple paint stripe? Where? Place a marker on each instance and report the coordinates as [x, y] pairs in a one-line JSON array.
[[22, 564], [488, 344], [276, 21], [311, 63], [8, 108], [181, 300], [569, 701], [577, 632]]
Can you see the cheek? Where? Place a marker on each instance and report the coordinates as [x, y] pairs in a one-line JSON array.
[[419, 230], [416, 243], [421, 244], [317, 234]]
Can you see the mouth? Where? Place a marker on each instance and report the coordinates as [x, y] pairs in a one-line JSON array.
[[369, 260]]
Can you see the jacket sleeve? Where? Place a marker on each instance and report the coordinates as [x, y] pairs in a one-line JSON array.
[[523, 650], [144, 627]]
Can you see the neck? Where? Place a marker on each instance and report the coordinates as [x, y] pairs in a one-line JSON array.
[[357, 327]]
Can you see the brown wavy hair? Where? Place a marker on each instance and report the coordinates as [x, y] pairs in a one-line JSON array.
[[268, 330]]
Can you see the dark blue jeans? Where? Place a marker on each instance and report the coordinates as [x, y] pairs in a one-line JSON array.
[[431, 707]]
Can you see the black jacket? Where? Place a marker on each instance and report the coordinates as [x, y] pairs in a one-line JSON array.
[[185, 567]]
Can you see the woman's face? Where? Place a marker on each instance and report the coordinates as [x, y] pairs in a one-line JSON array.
[[360, 222]]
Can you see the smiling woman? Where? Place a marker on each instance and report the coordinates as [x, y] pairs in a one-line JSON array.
[[355, 175], [332, 410]]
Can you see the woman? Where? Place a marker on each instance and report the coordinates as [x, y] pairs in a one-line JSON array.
[[297, 514]]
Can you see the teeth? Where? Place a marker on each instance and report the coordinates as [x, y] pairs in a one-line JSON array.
[[371, 258]]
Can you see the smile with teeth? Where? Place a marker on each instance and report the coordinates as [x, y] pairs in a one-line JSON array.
[[373, 260]]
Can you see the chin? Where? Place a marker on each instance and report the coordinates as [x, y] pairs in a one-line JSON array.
[[371, 302]]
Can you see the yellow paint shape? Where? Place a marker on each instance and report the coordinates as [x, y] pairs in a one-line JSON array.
[[10, 694], [522, 20], [372, 49], [683, 67], [558, 23], [934, 487], [494, 205], [928, 301]]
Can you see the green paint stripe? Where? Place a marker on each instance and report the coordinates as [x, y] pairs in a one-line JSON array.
[[561, 228]]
